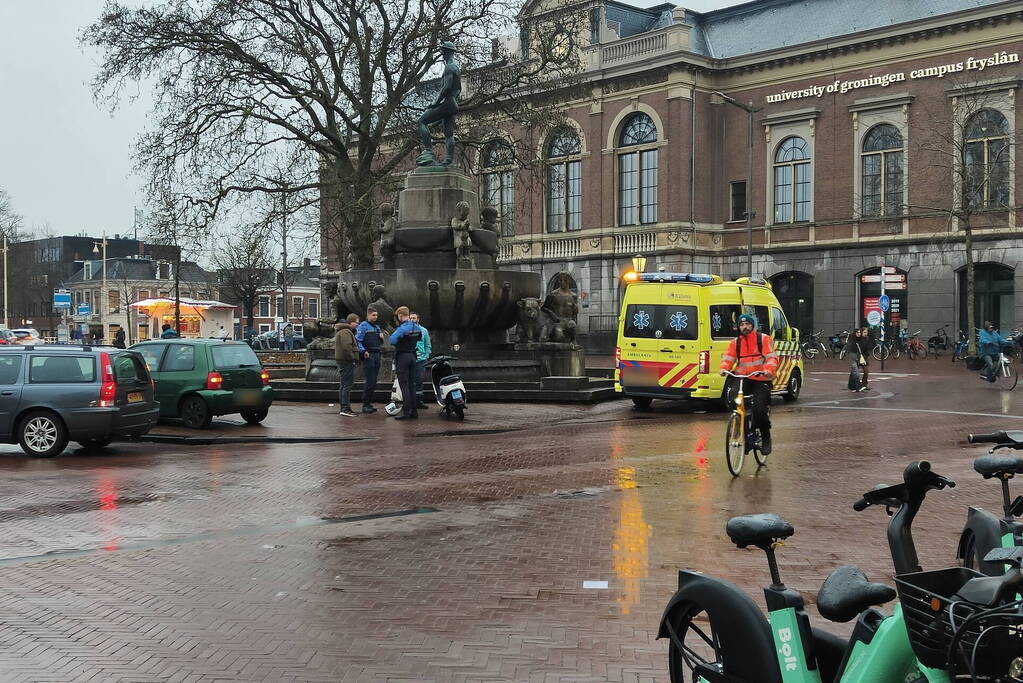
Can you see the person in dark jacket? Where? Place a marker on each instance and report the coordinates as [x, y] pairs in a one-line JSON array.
[[167, 332], [857, 350], [346, 353], [369, 338], [119, 338], [404, 340]]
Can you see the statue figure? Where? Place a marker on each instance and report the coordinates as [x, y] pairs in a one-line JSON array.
[[335, 305], [387, 229], [384, 310], [488, 218], [562, 302], [460, 230], [529, 324], [443, 109]]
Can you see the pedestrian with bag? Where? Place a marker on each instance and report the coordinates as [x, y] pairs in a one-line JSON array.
[[424, 349], [346, 353], [858, 352], [370, 339], [404, 340]]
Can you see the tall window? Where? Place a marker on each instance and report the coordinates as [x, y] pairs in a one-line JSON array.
[[792, 195], [564, 182], [264, 307], [794, 290], [738, 196], [499, 184], [881, 164], [637, 171], [986, 160], [314, 308]]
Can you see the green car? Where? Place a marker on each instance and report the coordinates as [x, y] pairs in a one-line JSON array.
[[199, 378]]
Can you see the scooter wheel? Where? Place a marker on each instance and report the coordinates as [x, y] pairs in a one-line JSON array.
[[460, 412]]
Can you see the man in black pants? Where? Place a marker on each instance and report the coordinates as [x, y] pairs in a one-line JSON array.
[[369, 339], [404, 340]]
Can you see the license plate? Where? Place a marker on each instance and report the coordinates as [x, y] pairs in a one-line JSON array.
[[135, 397], [456, 394], [247, 397]]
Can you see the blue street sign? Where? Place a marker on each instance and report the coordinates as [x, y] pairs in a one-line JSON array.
[[884, 302], [84, 309], [62, 298]]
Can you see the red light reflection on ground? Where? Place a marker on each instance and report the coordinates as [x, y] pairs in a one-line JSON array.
[[107, 491]]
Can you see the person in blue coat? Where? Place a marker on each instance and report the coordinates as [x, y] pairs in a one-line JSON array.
[[990, 349], [369, 339], [404, 340]]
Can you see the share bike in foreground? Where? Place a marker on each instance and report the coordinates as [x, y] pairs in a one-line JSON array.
[[949, 625], [984, 531]]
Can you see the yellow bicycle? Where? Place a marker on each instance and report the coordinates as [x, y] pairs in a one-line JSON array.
[[742, 435]]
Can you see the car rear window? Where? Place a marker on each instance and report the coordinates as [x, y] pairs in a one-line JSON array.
[[657, 321], [129, 368], [152, 353], [227, 356], [62, 369]]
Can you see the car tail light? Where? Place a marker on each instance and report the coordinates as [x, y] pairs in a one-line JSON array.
[[265, 376], [108, 385], [618, 356], [704, 362], [214, 380]]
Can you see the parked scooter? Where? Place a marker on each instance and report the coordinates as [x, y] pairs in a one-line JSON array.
[[985, 531], [447, 387], [394, 407]]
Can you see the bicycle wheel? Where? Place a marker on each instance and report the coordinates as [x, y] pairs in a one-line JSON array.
[[809, 352], [911, 353], [754, 439], [921, 351], [878, 351], [896, 351], [735, 448], [824, 350], [841, 354], [697, 645], [1006, 377]]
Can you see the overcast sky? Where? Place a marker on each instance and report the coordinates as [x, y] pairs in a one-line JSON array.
[[63, 160]]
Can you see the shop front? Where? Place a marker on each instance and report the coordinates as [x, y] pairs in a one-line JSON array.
[[197, 318]]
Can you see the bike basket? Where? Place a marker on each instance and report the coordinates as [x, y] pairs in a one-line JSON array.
[[974, 363], [985, 646]]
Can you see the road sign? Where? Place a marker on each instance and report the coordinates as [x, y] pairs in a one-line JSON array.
[[62, 298], [884, 303], [895, 285], [895, 278], [888, 270], [873, 318], [84, 309], [870, 278]]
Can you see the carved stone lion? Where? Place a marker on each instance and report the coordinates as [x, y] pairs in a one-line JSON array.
[[530, 321]]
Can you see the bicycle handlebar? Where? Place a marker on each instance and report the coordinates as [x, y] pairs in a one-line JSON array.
[[993, 437], [752, 374]]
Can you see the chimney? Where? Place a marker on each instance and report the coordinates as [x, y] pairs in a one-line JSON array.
[[306, 262]]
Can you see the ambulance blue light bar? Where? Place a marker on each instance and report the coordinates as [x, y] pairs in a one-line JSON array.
[[698, 278]]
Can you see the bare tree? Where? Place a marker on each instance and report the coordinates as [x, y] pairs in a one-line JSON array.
[[314, 96], [244, 269], [10, 220], [969, 142]]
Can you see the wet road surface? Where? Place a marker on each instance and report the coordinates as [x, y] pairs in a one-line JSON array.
[[439, 550]]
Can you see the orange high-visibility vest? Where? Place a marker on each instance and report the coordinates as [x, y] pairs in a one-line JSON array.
[[751, 356]]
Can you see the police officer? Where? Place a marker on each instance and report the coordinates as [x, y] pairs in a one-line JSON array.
[[404, 340], [369, 339]]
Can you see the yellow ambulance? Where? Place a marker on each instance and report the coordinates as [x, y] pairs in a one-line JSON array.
[[674, 327]]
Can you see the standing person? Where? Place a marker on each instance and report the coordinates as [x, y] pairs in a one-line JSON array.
[[222, 334], [404, 340], [750, 352], [852, 352], [990, 350], [289, 337], [119, 338], [346, 353], [167, 332], [369, 338], [423, 351], [863, 356]]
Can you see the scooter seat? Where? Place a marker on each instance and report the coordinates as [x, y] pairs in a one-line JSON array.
[[450, 379], [847, 592], [757, 530], [998, 466]]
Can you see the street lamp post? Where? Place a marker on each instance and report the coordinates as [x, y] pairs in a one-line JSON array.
[[103, 296], [750, 111], [6, 310]]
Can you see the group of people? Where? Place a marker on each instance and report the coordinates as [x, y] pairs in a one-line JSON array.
[[362, 341]]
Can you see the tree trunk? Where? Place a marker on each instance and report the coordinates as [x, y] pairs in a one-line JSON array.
[[970, 304], [177, 292]]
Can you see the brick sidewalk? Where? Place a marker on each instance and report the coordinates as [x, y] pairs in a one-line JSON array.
[[245, 571]]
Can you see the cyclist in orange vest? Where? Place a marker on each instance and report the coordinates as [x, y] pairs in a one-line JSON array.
[[751, 352]]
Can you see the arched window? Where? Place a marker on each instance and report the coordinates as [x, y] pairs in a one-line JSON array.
[[986, 158], [792, 193], [881, 168], [499, 183], [994, 290], [637, 171], [564, 182], [795, 294]]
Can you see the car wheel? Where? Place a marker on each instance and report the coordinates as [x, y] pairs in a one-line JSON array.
[[793, 387], [42, 434], [254, 417], [195, 413], [642, 402], [95, 444]]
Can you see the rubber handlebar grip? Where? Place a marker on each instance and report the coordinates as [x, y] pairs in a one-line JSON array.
[[993, 437], [861, 505]]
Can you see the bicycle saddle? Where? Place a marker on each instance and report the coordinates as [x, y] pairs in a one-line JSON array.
[[847, 592], [999, 466], [757, 530]]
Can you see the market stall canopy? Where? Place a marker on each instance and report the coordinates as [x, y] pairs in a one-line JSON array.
[[187, 305]]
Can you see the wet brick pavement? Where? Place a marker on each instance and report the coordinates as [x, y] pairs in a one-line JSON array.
[[157, 562]]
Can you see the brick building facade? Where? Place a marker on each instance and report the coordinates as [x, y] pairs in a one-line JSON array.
[[867, 120]]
